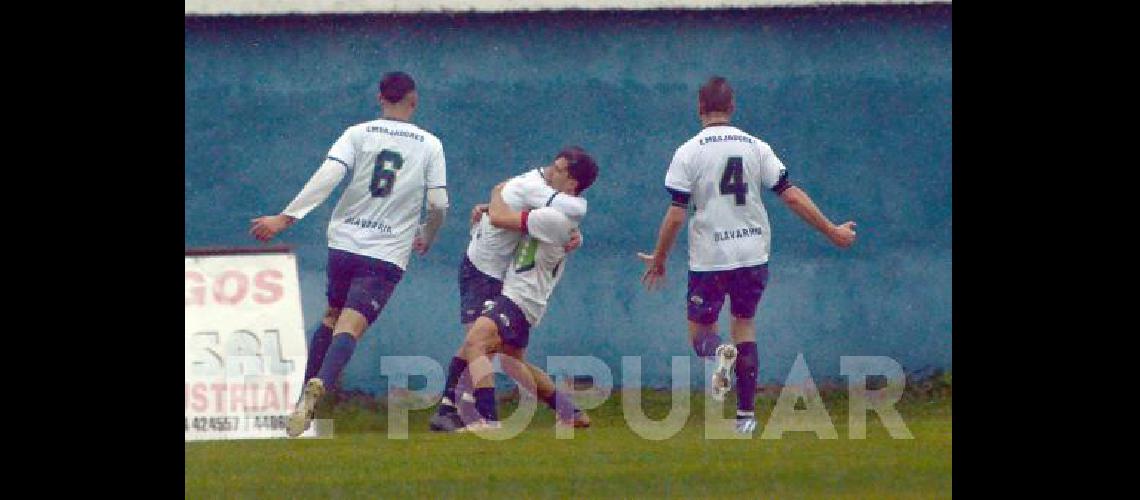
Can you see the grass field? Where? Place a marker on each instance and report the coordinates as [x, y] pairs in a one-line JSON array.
[[608, 460]]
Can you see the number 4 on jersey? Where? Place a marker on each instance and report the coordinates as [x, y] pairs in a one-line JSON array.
[[732, 182]]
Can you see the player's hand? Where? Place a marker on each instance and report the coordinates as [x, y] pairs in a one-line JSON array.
[[419, 244], [266, 227], [654, 272], [575, 241], [843, 235], [478, 211]]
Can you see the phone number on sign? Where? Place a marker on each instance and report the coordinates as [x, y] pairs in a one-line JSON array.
[[230, 424]]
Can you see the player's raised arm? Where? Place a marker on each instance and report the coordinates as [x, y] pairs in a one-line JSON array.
[[315, 192], [842, 236], [773, 175]]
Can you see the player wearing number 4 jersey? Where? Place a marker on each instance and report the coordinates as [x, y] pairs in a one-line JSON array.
[[720, 172], [374, 227]]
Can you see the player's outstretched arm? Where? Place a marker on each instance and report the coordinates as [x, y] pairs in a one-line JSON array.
[[798, 201], [315, 192], [264, 228], [666, 237]]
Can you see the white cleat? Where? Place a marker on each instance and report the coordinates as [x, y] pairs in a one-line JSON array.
[[482, 425], [302, 416], [746, 425], [721, 383]]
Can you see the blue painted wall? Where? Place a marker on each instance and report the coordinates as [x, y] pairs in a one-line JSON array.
[[856, 101]]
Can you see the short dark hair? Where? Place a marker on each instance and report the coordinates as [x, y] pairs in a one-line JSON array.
[[395, 85], [582, 167], [715, 96]]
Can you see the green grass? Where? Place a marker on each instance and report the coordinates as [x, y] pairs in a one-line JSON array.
[[607, 460]]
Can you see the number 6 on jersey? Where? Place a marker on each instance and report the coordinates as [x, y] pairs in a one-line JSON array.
[[388, 162]]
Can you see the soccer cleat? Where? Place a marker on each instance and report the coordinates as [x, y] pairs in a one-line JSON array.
[[721, 381], [447, 419], [581, 421], [302, 416], [482, 425], [746, 425]]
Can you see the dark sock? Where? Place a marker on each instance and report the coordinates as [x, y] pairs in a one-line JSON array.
[[322, 338], [705, 344], [339, 353], [454, 371], [561, 403], [747, 362], [464, 388], [485, 403]]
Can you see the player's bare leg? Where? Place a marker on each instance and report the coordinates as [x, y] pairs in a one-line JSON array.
[[706, 343], [482, 342], [465, 398], [458, 387], [743, 332], [349, 327], [536, 381]]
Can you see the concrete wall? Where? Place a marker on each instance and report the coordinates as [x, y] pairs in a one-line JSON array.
[[855, 100]]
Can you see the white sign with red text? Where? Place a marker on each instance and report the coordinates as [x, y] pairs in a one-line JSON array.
[[245, 345]]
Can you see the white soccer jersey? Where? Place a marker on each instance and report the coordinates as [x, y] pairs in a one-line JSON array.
[[722, 170], [539, 262], [491, 248], [391, 163]]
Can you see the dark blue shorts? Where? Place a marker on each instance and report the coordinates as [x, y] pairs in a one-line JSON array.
[[361, 283], [475, 288], [707, 289], [514, 329]]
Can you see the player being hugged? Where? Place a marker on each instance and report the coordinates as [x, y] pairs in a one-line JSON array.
[[374, 227], [720, 172], [486, 261], [530, 268]]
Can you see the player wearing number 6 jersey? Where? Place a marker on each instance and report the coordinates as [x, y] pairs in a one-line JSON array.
[[721, 171], [374, 227]]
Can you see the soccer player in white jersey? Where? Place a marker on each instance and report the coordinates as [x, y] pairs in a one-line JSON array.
[[373, 230], [504, 324], [481, 272], [721, 171]]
